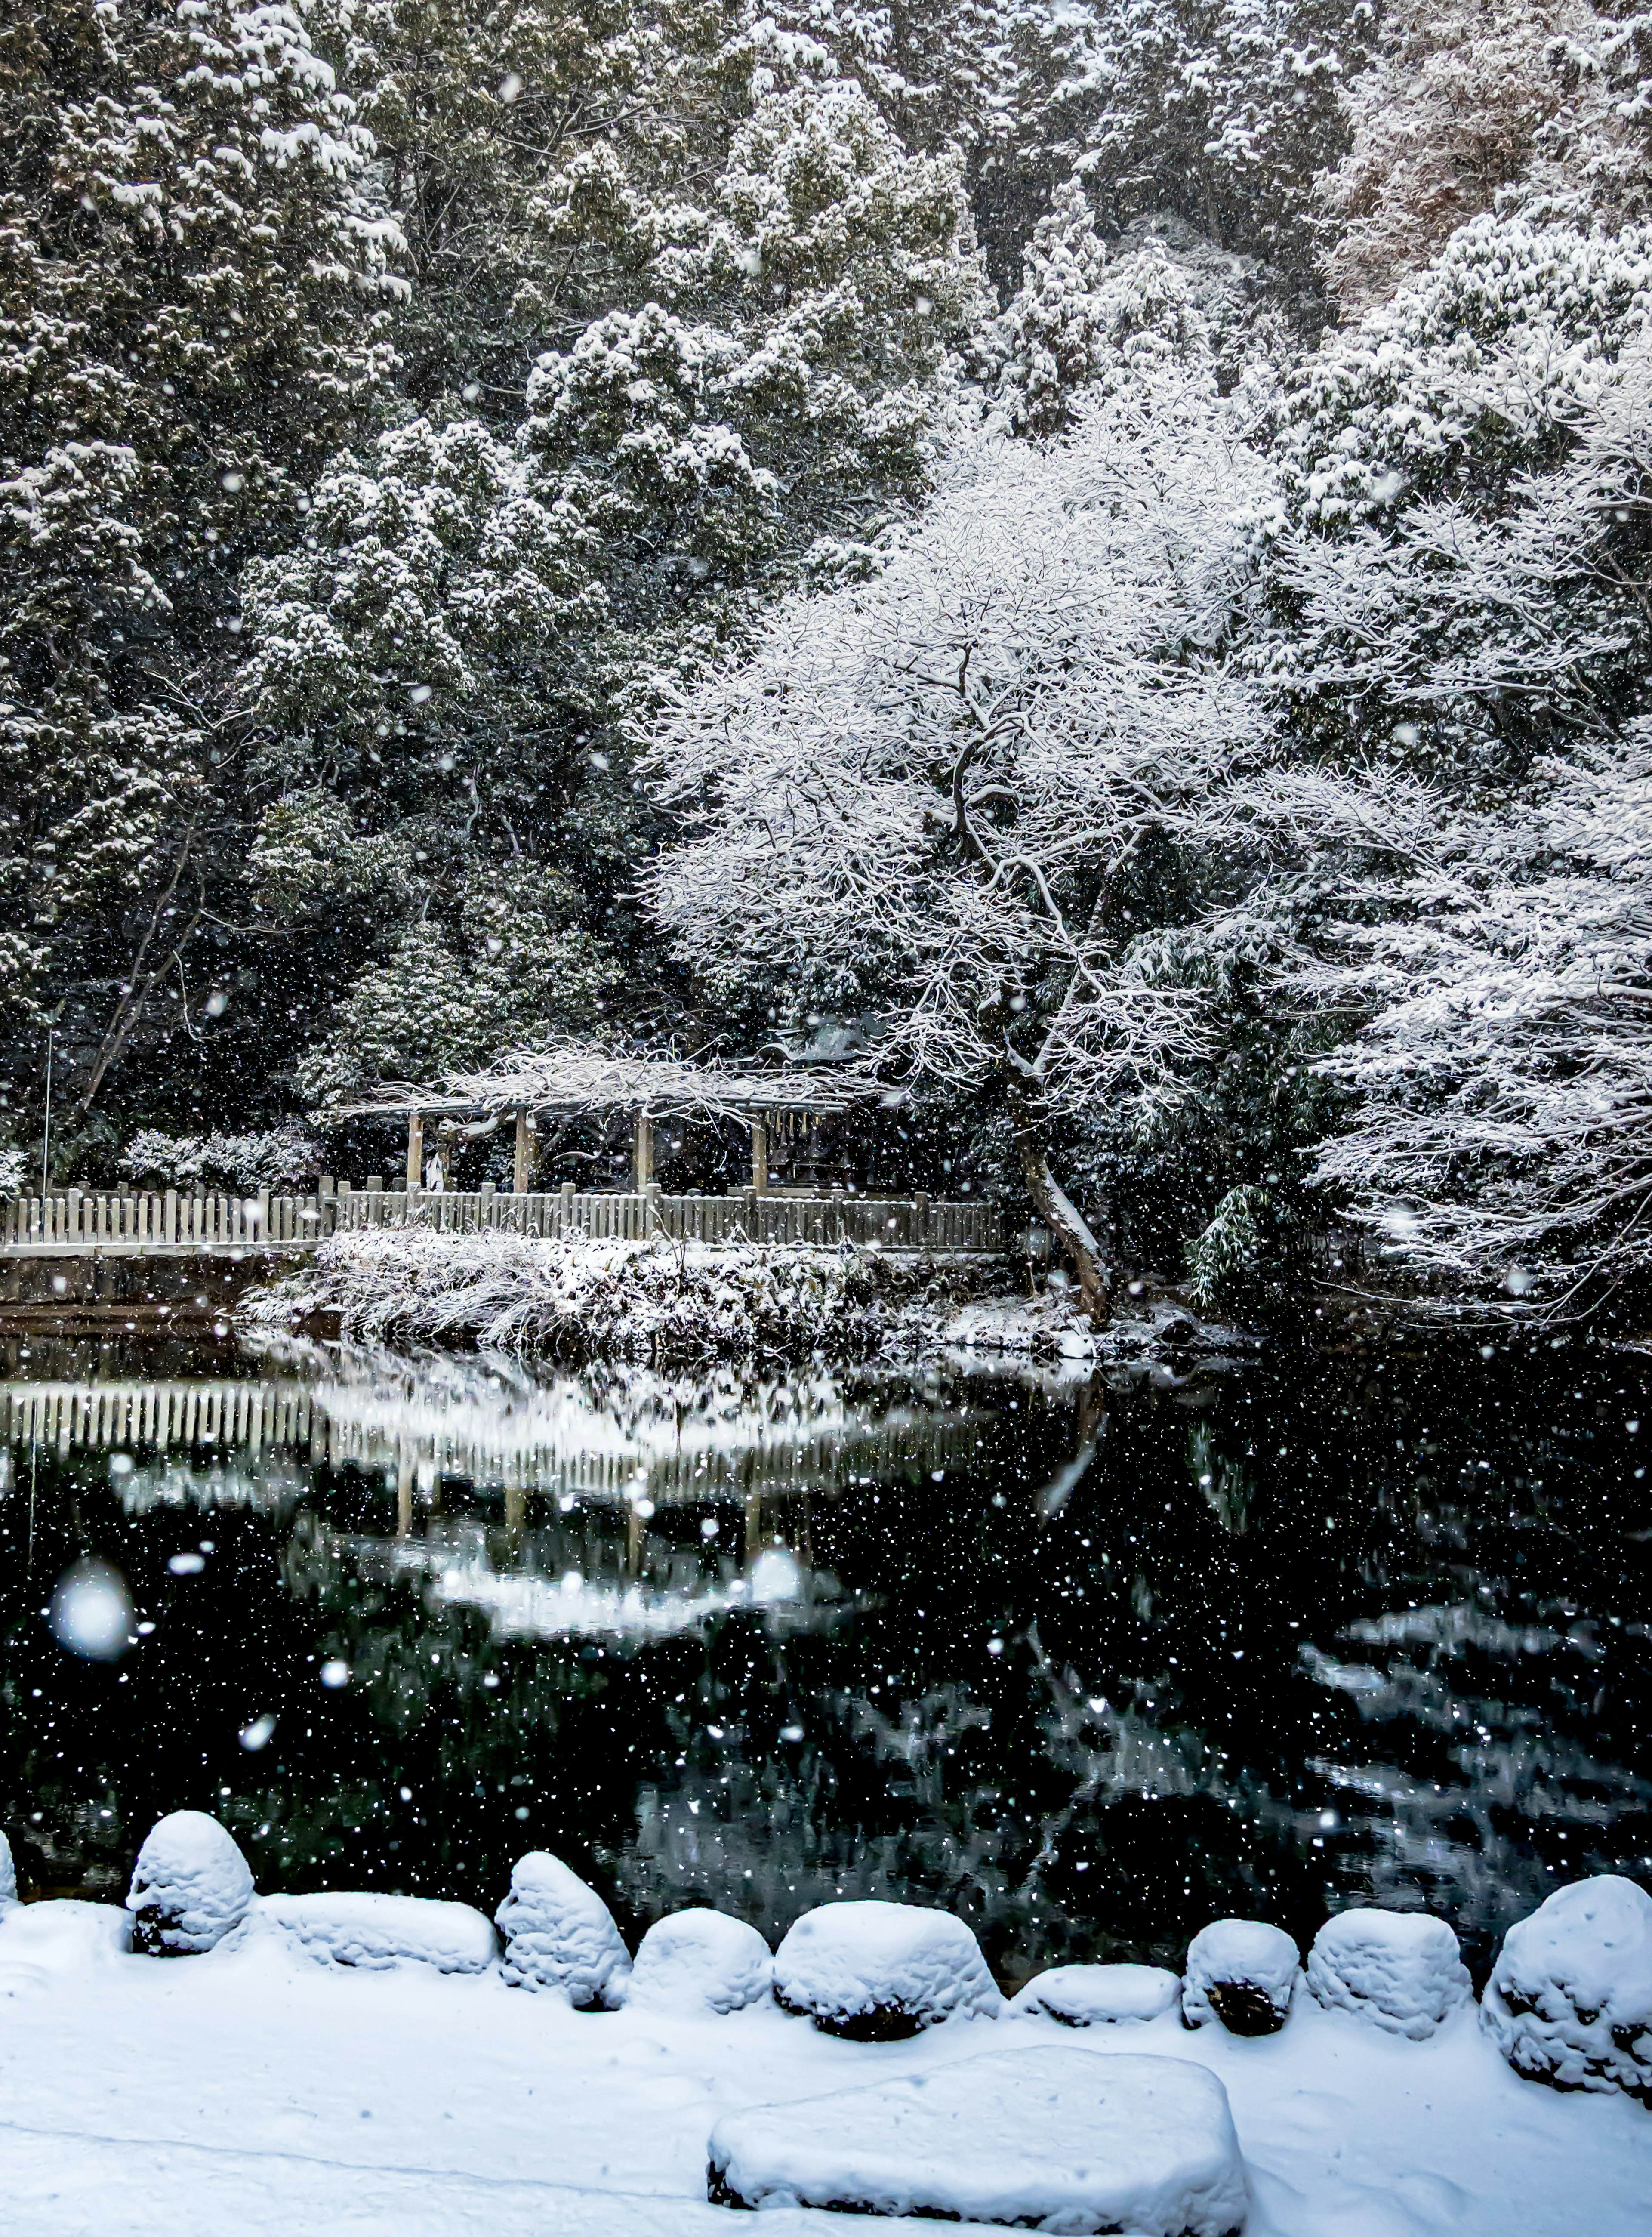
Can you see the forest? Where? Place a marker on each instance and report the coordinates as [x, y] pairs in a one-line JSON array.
[[1098, 549]]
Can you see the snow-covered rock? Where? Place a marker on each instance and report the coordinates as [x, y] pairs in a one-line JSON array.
[[1243, 1973], [1400, 1968], [1053, 2138], [376, 1931], [1569, 2000], [700, 1961], [7, 1875], [877, 1971], [190, 1886], [1093, 1995], [559, 1934]]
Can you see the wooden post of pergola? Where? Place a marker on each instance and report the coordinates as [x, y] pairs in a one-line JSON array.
[[526, 1147], [644, 1158], [760, 1157], [415, 1151]]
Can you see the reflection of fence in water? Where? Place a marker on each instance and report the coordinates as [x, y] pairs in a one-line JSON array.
[[736, 1457]]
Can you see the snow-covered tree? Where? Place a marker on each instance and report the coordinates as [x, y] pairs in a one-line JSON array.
[[930, 795]]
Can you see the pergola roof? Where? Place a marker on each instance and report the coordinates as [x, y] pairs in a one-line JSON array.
[[571, 1079]]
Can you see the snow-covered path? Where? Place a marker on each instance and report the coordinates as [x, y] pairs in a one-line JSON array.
[[257, 2091]]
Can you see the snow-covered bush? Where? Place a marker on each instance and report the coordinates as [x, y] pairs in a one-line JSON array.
[[1569, 2000], [1049, 2138], [699, 1961], [190, 1886], [559, 1934], [1398, 1969], [1243, 1973], [7, 1875], [376, 1931], [280, 1157], [1092, 1995], [876, 1972], [14, 1172], [654, 1301]]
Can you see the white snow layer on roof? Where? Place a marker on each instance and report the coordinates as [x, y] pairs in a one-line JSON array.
[[1048, 2138], [700, 1961], [379, 1930], [190, 1886], [1242, 1972], [1093, 1995], [879, 1970], [1569, 2000], [559, 1934], [1400, 1968], [252, 2091]]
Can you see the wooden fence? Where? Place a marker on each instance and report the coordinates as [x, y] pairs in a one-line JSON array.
[[77, 1224]]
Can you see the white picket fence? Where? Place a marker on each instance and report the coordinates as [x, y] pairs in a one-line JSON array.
[[78, 1224]]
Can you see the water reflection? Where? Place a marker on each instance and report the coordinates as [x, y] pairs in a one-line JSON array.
[[1089, 1664]]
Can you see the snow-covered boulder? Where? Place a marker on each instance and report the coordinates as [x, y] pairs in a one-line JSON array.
[[559, 1934], [1096, 1996], [877, 1971], [1052, 2138], [700, 1961], [7, 1875], [376, 1931], [1400, 1968], [190, 1886], [1569, 2000], [1243, 1973]]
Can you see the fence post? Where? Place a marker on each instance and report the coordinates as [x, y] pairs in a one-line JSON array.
[[169, 1216]]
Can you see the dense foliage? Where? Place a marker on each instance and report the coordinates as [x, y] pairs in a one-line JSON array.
[[1106, 542]]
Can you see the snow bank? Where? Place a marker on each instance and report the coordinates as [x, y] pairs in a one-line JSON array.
[[190, 1886], [7, 1875], [1093, 1995], [1051, 2139], [700, 1961], [1399, 1969], [1569, 2000], [376, 1931], [559, 1934], [1242, 1973], [877, 1971]]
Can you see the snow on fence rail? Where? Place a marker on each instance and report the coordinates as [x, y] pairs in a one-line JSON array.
[[80, 1224]]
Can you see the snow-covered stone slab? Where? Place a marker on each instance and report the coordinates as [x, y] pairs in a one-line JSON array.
[[876, 1972], [1054, 2138], [1243, 1973], [1098, 1995], [1399, 1969], [190, 1886], [1569, 2000], [376, 1931], [559, 1934], [700, 1961]]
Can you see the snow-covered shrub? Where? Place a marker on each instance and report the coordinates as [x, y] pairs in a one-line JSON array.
[[14, 1172], [1093, 1995], [656, 1300], [7, 1875], [377, 1931], [1569, 2000], [1243, 1973], [1399, 1969], [190, 1886], [876, 1972], [559, 1934], [1047, 2138], [281, 1157], [699, 1961]]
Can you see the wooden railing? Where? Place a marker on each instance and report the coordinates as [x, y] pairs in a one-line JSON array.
[[78, 1224]]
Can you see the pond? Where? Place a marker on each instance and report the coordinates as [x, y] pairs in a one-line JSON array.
[[1090, 1662]]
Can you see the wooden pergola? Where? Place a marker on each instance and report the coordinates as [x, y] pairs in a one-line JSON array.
[[574, 1082]]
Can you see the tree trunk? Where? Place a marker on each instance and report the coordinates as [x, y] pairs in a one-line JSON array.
[[1067, 1224]]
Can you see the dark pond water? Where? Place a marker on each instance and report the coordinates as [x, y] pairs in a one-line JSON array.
[[1091, 1664]]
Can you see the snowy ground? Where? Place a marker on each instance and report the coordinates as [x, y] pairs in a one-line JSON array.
[[255, 2091]]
